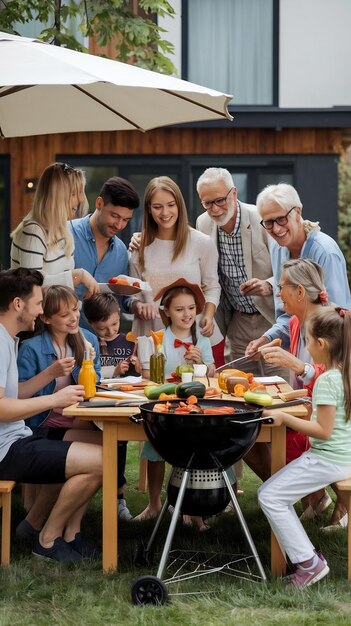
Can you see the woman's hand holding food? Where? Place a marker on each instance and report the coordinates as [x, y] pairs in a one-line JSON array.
[[254, 345], [90, 283], [62, 367]]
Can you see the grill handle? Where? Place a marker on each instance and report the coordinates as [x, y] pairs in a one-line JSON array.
[[136, 419], [264, 420]]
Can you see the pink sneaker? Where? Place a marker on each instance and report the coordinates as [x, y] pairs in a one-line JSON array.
[[304, 578]]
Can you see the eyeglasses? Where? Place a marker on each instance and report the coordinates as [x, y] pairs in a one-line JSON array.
[[281, 287], [281, 221], [208, 204]]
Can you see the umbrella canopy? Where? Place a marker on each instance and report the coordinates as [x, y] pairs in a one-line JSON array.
[[48, 89]]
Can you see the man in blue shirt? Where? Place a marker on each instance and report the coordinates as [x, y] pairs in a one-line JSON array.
[[96, 246], [99, 251], [292, 237]]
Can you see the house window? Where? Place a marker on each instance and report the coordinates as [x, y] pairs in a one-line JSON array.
[[231, 47], [138, 171], [249, 179]]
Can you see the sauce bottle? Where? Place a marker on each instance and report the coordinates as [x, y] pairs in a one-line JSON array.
[[87, 376]]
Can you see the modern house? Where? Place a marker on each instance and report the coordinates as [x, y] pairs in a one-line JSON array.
[[287, 64]]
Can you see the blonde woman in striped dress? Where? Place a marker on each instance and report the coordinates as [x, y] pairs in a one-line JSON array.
[[42, 240]]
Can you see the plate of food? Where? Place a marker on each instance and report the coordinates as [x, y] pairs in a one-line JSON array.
[[123, 285]]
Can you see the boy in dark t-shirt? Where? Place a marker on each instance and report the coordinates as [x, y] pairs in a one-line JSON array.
[[117, 353], [117, 358]]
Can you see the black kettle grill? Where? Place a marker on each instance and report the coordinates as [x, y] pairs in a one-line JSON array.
[[196, 444]]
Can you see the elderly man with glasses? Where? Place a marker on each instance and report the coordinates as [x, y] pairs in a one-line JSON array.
[[246, 308], [280, 208]]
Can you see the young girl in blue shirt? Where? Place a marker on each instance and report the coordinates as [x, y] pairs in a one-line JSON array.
[[182, 344]]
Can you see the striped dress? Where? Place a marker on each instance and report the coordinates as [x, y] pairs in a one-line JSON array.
[[29, 249]]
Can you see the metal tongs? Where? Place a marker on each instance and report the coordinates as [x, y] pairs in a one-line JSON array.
[[244, 359]]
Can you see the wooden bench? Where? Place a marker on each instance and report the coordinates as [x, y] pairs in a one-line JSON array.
[[345, 487], [6, 487]]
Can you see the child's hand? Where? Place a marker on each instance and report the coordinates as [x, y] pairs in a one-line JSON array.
[[135, 361], [121, 368], [193, 355], [277, 416]]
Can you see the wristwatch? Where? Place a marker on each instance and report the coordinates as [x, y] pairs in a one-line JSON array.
[[307, 370]]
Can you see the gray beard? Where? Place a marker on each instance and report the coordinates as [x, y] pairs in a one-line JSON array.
[[226, 217]]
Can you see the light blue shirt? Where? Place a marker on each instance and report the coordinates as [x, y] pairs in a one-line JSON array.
[[175, 356], [114, 262], [322, 249]]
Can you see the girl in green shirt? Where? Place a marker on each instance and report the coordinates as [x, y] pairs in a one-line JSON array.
[[328, 339]]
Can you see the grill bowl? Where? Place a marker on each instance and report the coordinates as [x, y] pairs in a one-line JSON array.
[[179, 437]]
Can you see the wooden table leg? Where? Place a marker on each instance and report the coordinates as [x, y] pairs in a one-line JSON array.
[[109, 498], [278, 563]]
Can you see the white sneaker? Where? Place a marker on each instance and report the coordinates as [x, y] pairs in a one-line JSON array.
[[123, 511]]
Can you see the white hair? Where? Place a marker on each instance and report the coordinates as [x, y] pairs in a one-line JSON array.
[[283, 194], [212, 175]]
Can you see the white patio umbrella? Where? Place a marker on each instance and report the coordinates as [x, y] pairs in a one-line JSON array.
[[48, 89]]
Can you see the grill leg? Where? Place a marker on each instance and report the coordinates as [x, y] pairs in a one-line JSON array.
[[157, 526], [172, 527], [243, 524]]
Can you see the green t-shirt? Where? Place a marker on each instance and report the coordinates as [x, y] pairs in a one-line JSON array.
[[329, 390]]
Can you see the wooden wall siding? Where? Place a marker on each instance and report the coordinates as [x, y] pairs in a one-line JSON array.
[[30, 155]]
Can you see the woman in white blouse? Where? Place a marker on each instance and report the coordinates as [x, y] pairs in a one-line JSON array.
[[171, 249], [42, 240]]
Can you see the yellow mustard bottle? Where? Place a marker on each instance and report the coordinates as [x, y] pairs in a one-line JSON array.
[[87, 376]]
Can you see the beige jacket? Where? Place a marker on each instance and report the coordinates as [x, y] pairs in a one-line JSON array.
[[255, 249]]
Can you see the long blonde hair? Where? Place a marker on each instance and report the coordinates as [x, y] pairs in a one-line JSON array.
[[51, 204], [150, 227]]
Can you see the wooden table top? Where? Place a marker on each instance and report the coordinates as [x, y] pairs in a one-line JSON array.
[[126, 411]]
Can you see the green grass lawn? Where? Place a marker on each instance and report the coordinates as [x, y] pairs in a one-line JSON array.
[[37, 593]]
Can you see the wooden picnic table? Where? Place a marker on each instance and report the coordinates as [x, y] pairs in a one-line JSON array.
[[118, 427]]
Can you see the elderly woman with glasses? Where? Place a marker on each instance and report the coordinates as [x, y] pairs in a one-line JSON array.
[[302, 293], [42, 240], [281, 211]]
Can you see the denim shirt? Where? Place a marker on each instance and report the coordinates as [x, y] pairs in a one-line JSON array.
[[322, 249], [36, 354]]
